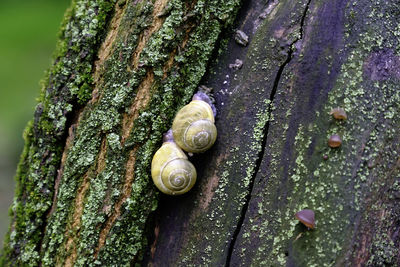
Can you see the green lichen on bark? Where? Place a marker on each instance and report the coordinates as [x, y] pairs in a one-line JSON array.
[[188, 34], [340, 188], [64, 89], [171, 94]]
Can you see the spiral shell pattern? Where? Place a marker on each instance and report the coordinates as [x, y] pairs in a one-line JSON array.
[[171, 171], [193, 127]]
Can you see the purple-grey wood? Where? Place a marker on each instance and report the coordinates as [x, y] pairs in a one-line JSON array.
[[271, 158]]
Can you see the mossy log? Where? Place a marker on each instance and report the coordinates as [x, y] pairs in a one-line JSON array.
[[122, 70]]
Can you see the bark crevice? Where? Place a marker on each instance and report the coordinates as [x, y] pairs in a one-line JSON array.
[[261, 153]]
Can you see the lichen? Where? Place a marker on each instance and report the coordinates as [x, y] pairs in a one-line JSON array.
[[337, 188], [318, 184], [177, 54], [64, 89]]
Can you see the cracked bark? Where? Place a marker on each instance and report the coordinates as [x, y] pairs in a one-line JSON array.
[[271, 157], [297, 56], [265, 136]]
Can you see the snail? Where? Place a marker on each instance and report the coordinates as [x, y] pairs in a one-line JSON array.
[[306, 217], [193, 127], [172, 172], [335, 141]]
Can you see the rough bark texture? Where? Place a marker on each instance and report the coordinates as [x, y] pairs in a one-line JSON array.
[[123, 69]]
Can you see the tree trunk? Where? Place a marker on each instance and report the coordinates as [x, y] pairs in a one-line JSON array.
[[121, 72]]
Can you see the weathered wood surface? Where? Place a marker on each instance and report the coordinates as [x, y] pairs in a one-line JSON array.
[[85, 195], [307, 57]]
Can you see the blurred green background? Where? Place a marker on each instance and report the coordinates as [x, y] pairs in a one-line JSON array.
[[28, 35]]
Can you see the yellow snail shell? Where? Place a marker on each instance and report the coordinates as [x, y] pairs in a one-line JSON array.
[[193, 127], [172, 172]]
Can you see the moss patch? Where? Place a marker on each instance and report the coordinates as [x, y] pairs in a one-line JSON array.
[[66, 87], [175, 54]]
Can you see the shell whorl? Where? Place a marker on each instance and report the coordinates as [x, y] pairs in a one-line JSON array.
[[177, 175], [171, 171], [193, 127], [199, 136]]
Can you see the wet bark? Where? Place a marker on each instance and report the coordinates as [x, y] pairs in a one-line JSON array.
[[85, 195]]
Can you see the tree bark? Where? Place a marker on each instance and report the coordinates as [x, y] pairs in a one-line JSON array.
[[122, 70]]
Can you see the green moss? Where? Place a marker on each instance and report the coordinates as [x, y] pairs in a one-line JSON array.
[[174, 91], [309, 180], [45, 135], [84, 93], [69, 86]]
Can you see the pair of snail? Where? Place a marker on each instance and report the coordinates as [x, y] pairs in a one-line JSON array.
[[193, 130]]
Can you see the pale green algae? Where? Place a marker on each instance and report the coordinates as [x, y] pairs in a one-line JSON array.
[[371, 106]]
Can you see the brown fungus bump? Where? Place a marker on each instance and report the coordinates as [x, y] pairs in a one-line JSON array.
[[339, 114], [334, 141], [307, 217]]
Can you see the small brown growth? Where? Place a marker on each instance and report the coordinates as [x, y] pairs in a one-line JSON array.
[[126, 192], [159, 6], [79, 206], [338, 114], [307, 217], [335, 141]]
